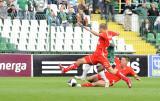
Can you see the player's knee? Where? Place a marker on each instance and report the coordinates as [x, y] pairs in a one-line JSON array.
[[113, 71], [80, 61]]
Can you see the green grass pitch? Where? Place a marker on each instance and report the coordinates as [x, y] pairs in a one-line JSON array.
[[56, 89]]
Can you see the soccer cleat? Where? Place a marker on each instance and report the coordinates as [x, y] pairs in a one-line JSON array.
[[112, 83], [129, 83], [79, 78], [62, 68]]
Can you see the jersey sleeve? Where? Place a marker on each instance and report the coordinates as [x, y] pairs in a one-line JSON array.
[[131, 71], [103, 35], [113, 33]]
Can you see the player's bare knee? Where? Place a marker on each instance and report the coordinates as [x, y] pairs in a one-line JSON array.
[[79, 61]]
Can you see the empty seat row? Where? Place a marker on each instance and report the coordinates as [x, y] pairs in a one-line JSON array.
[[19, 22]]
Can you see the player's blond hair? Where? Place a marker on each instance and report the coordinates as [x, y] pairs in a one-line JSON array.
[[103, 26]]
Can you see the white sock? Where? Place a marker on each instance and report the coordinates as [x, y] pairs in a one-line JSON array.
[[85, 71], [103, 76]]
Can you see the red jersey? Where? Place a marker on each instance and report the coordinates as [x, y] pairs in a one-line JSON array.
[[103, 41], [126, 71]]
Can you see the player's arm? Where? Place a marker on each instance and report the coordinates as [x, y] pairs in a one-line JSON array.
[[134, 74], [114, 33], [93, 32]]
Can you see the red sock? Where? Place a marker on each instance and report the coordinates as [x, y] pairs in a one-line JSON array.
[[87, 85], [73, 66], [123, 77]]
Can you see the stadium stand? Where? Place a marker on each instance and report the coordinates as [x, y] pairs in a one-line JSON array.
[[33, 36]]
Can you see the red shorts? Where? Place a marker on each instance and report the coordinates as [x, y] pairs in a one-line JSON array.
[[98, 58], [112, 79]]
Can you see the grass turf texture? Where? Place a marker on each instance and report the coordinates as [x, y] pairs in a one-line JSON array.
[[56, 89]]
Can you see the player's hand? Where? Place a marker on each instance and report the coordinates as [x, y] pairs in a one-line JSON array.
[[138, 78]]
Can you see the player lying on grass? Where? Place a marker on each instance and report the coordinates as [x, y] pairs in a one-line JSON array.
[[99, 56], [97, 81]]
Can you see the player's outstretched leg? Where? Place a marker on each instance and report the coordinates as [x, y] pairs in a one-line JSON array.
[[73, 66], [84, 74]]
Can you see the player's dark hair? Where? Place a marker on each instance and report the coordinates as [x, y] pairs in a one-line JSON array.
[[127, 58], [103, 26]]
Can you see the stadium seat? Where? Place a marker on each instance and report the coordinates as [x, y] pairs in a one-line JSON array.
[[31, 47], [11, 46], [115, 39], [22, 47], [68, 42], [86, 47], [59, 29], [42, 47], [69, 29], [5, 34], [15, 34], [129, 48], [6, 28], [14, 40], [33, 29], [7, 22], [150, 37], [53, 35], [121, 41], [86, 35], [94, 41], [93, 47], [4, 40], [77, 35], [16, 22], [60, 35], [15, 28], [76, 47], [77, 29], [77, 42], [25, 23], [43, 23], [34, 23], [93, 37], [24, 35], [53, 30], [3, 46], [68, 35], [24, 28], [1, 22], [86, 41], [158, 39], [120, 47], [23, 41], [68, 47], [95, 26], [59, 47]]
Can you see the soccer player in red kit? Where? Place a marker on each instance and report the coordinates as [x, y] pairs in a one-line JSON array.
[[99, 56], [96, 80]]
